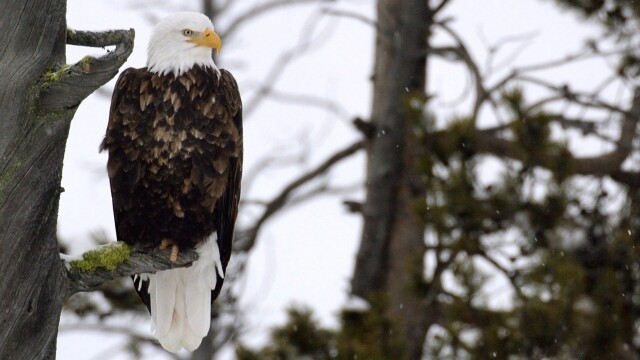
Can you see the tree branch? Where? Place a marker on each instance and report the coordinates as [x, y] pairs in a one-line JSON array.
[[586, 126], [65, 87], [350, 15], [605, 164], [140, 260], [465, 56], [624, 145], [246, 239], [438, 8], [309, 100], [280, 66], [262, 9], [564, 92]]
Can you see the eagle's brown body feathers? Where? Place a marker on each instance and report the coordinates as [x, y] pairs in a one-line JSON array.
[[175, 159]]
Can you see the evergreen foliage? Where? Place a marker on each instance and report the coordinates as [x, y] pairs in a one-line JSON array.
[[300, 338], [537, 261]]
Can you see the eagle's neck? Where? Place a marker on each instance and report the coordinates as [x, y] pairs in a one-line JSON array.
[[165, 60]]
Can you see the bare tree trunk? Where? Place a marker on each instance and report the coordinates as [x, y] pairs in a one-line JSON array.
[[38, 97], [392, 242], [31, 150]]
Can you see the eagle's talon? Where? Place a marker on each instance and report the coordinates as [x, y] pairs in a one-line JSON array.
[[166, 243], [174, 253]]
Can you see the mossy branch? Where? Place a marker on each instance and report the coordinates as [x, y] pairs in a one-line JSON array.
[[115, 260], [64, 87]]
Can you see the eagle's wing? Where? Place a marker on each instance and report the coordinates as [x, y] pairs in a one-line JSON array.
[[226, 209], [124, 173]]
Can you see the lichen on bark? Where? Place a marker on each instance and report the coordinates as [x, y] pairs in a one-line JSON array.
[[108, 257]]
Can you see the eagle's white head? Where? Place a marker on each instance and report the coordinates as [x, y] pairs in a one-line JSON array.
[[181, 41]]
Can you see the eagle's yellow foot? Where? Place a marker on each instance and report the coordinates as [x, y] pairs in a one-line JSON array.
[[165, 243]]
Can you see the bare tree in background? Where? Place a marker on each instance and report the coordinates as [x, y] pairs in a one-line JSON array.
[[558, 229], [393, 234], [407, 197]]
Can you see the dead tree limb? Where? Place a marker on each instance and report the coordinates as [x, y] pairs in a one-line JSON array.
[[138, 261], [65, 87]]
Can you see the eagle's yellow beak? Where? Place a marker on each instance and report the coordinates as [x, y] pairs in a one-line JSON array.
[[209, 38]]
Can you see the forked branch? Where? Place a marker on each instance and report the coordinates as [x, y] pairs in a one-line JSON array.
[[65, 87]]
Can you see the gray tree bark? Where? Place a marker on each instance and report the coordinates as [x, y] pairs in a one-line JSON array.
[[392, 243], [38, 98], [31, 150]]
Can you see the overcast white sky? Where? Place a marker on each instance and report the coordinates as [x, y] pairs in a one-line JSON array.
[[306, 255]]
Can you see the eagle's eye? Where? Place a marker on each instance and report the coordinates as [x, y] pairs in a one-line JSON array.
[[187, 32]]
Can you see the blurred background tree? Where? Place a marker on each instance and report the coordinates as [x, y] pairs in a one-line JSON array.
[[486, 234]]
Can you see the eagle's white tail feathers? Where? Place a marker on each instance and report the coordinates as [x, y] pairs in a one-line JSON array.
[[181, 299]]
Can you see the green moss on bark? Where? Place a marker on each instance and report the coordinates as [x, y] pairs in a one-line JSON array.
[[107, 257]]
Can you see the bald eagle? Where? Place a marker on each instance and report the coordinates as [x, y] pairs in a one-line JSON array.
[[174, 140]]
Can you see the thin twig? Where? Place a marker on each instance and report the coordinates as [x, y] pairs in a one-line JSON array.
[[279, 67], [310, 100], [438, 8], [510, 275], [587, 100], [246, 239], [608, 163], [350, 15], [262, 9], [465, 56]]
